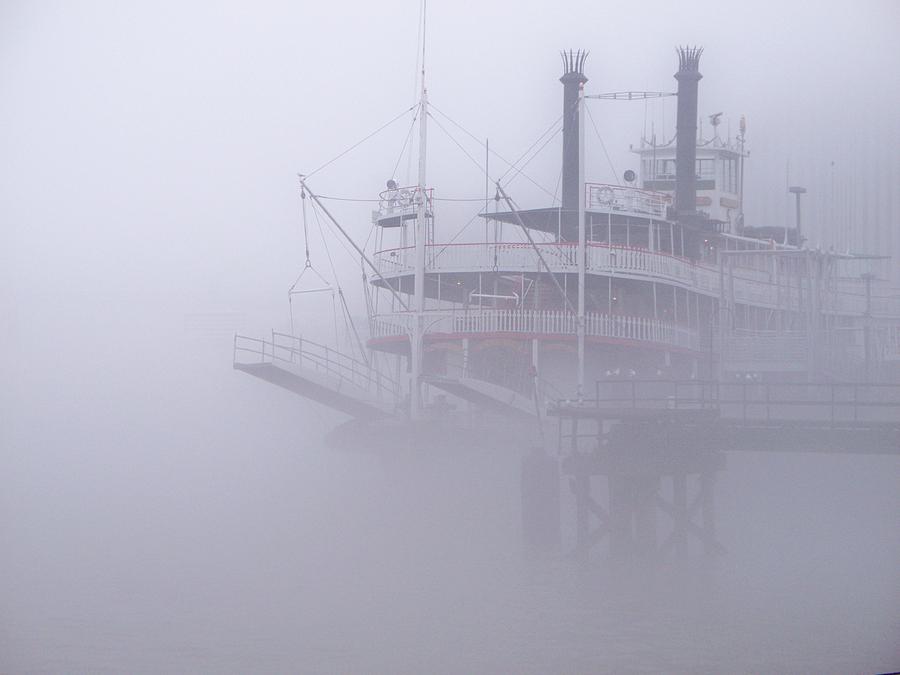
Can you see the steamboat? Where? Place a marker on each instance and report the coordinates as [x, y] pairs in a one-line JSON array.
[[656, 278]]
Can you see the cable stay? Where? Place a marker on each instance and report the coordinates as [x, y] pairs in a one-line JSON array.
[[324, 286], [360, 142], [603, 146], [353, 244], [490, 151], [309, 269], [509, 202]]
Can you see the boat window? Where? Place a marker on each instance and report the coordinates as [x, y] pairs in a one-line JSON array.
[[729, 175], [706, 169], [665, 169]]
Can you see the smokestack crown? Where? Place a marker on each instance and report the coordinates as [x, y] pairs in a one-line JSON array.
[[689, 62], [573, 66]]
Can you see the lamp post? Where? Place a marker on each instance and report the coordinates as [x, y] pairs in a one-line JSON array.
[[796, 190]]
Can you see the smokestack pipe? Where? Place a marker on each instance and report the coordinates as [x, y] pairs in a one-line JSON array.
[[688, 77], [573, 79]]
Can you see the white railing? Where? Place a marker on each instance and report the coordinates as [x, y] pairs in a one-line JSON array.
[[291, 349], [626, 201], [754, 287], [402, 201], [541, 322], [561, 258]]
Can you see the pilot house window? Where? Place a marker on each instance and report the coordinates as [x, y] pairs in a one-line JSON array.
[[706, 169]]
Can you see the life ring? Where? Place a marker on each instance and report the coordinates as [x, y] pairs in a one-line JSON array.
[[605, 196]]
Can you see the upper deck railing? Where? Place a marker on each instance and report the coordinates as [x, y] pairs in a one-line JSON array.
[[561, 258], [751, 286], [541, 322], [626, 201]]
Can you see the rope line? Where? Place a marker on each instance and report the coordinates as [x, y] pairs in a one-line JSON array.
[[549, 130], [491, 151], [358, 143], [603, 145], [458, 145], [406, 142], [536, 153]]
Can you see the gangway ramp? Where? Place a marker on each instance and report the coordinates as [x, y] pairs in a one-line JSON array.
[[487, 395], [319, 373]]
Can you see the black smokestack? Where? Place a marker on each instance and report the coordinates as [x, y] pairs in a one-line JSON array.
[[573, 79], [688, 77]]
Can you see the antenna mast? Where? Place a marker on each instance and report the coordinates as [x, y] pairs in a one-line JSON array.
[[417, 346]]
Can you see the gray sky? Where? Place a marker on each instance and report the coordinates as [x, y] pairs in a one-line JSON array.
[[150, 149]]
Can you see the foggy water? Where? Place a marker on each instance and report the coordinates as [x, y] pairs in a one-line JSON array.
[[193, 520]]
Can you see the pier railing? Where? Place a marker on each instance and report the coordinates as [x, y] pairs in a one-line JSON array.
[[830, 404], [294, 350]]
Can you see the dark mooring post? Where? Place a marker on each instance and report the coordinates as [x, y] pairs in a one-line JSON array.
[[573, 79], [581, 489], [621, 512], [646, 488], [541, 529], [688, 77], [708, 512], [679, 499]]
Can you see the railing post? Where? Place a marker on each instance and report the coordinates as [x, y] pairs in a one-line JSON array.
[[855, 403], [633, 395], [767, 402]]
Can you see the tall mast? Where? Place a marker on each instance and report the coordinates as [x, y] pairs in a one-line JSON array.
[[582, 244], [418, 333]]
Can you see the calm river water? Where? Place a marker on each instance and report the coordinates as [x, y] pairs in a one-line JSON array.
[[160, 513]]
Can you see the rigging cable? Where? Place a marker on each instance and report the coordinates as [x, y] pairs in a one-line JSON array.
[[535, 154], [348, 318], [333, 272], [412, 126], [489, 150], [603, 145], [458, 144], [307, 266], [551, 130], [358, 143]]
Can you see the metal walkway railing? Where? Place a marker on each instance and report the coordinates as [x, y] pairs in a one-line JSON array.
[[820, 403], [302, 353]]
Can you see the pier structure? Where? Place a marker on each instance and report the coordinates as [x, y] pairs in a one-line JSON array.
[[640, 457]]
